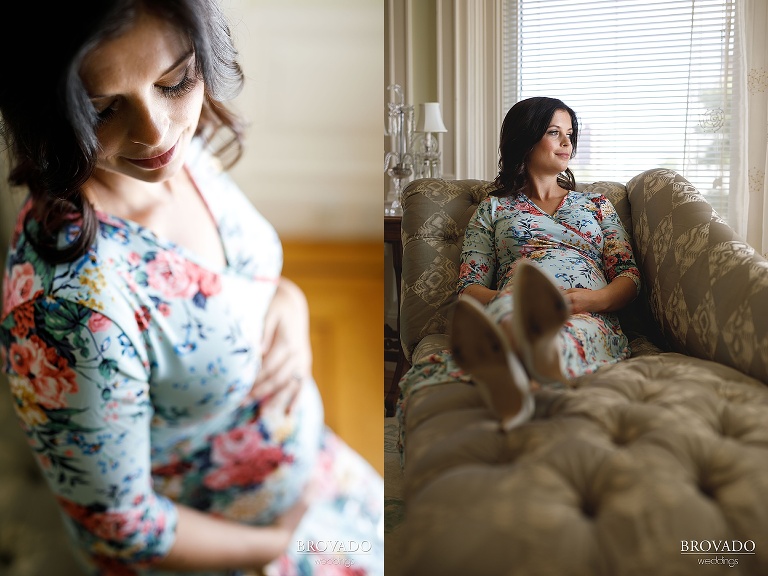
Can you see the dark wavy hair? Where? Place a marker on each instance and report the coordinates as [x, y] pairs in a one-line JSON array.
[[49, 123], [524, 125]]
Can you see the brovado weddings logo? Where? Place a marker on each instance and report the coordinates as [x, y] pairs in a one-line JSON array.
[[719, 552], [333, 547], [333, 552]]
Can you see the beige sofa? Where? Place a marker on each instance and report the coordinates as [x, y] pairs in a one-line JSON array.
[[655, 465]]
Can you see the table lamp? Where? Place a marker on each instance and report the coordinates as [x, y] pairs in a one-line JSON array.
[[426, 152]]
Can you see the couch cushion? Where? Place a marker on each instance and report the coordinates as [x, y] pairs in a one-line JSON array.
[[608, 479], [708, 290]]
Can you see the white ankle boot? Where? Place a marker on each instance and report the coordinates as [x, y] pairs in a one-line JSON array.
[[539, 311], [481, 349]]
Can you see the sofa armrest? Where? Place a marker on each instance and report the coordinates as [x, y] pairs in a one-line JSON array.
[[435, 214], [708, 289], [430, 344]]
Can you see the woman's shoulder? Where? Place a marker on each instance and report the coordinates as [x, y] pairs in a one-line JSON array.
[[74, 291], [493, 203], [241, 224], [594, 197], [586, 193]]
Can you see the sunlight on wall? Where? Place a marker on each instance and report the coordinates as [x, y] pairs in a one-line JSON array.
[[313, 95]]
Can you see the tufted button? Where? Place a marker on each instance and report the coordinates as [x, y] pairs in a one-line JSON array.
[[589, 507], [621, 439], [6, 558], [627, 426], [706, 486]]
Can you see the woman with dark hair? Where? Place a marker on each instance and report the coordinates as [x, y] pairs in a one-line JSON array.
[[523, 128], [159, 363], [543, 268]]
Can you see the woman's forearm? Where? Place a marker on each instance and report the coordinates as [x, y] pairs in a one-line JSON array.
[[479, 292], [620, 292], [624, 290], [204, 542]]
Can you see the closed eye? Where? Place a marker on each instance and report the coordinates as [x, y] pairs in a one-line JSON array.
[[184, 87], [104, 115]]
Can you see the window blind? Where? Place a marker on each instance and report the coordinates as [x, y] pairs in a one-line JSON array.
[[651, 82]]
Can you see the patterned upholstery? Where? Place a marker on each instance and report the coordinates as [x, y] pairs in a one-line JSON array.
[[610, 477], [435, 214], [708, 289]]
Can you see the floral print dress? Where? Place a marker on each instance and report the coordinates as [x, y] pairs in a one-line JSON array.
[[130, 369], [581, 245]]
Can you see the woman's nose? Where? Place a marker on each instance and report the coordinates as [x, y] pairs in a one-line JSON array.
[[148, 125]]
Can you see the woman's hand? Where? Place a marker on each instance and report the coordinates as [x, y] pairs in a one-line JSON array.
[[582, 300], [289, 520], [287, 356], [206, 542], [480, 293], [613, 297]]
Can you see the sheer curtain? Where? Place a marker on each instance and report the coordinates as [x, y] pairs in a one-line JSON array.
[[752, 95]]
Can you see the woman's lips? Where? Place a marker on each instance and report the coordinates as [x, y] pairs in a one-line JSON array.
[[154, 163]]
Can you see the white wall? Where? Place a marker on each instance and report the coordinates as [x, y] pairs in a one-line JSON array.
[[314, 84]]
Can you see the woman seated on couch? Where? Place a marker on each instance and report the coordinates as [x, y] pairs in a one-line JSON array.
[[543, 269]]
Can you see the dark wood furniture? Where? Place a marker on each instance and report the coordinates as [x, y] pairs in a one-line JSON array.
[[392, 236]]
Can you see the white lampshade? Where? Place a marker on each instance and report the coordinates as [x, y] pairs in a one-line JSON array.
[[430, 119]]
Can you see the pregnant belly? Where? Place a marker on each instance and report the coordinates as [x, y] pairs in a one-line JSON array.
[[254, 469], [570, 269]]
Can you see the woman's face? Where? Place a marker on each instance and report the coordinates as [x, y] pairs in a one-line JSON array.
[[551, 154], [148, 98]]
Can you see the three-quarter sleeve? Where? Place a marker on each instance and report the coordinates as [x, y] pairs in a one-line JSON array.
[[618, 258], [80, 388], [478, 254]]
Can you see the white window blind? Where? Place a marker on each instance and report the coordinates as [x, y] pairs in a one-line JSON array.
[[649, 80]]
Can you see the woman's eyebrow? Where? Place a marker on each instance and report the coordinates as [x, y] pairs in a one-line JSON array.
[[184, 57]]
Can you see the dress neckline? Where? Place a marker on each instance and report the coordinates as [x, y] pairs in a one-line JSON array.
[[541, 210], [112, 220]]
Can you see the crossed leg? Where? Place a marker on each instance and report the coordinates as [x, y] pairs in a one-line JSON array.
[[507, 359]]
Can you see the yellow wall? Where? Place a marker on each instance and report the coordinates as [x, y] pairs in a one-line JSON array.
[[344, 284]]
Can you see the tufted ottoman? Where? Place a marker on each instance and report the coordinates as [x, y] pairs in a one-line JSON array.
[[655, 465], [608, 479]]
